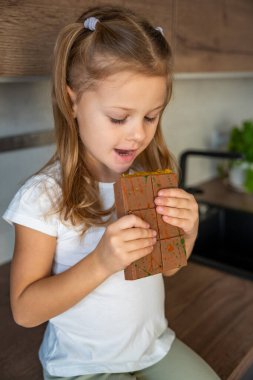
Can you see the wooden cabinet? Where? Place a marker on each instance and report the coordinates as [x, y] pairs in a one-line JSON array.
[[206, 36], [211, 36], [28, 29]]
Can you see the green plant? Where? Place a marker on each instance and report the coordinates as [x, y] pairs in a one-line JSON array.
[[241, 141]]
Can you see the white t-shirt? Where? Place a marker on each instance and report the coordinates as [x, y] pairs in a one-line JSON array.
[[120, 326]]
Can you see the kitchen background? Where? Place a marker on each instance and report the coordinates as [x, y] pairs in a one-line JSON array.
[[213, 85], [200, 106], [212, 43]]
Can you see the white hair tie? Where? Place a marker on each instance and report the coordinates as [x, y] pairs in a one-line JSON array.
[[160, 29], [90, 23]]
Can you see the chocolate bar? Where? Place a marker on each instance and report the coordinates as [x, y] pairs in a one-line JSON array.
[[135, 194]]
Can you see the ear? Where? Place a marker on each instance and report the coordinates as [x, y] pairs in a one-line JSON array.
[[73, 98]]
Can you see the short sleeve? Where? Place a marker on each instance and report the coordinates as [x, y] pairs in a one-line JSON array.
[[32, 206]]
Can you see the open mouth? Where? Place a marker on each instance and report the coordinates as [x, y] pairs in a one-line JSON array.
[[123, 152]]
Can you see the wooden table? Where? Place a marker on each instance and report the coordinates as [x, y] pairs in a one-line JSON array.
[[218, 192], [209, 310], [18, 345], [212, 312]]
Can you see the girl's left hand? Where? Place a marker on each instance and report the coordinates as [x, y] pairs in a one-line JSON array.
[[179, 209]]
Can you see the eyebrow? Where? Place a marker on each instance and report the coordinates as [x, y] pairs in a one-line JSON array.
[[132, 109]]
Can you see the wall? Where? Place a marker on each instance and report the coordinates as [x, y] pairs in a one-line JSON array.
[[24, 107], [200, 105]]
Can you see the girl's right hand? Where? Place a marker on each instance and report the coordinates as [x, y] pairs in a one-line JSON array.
[[33, 286], [124, 241]]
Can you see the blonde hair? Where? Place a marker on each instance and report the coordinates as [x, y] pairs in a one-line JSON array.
[[122, 40]]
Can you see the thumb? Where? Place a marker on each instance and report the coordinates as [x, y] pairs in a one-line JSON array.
[[130, 221]]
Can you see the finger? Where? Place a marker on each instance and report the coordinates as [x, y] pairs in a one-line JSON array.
[[184, 203], [129, 221], [176, 193], [137, 233], [173, 202], [181, 223], [139, 253], [139, 244], [180, 213], [187, 225]]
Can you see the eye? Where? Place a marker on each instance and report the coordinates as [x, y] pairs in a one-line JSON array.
[[117, 121], [150, 119]]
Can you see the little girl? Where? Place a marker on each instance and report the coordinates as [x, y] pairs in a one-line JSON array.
[[111, 83]]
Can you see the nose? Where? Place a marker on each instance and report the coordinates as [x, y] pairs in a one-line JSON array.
[[137, 132]]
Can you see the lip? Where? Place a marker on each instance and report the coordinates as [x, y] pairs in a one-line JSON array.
[[129, 149], [125, 159]]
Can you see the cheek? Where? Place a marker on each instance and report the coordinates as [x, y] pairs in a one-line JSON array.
[[96, 136], [86, 135], [151, 133], [87, 129]]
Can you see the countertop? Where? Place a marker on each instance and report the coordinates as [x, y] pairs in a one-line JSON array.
[[218, 192]]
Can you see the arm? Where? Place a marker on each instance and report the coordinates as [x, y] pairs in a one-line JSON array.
[[180, 209], [37, 295]]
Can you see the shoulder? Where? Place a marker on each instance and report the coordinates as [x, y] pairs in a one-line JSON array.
[[42, 186], [34, 205]]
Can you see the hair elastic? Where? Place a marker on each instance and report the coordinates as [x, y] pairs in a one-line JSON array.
[[160, 29], [90, 23]]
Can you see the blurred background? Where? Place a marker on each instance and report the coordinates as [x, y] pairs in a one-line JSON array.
[[212, 43]]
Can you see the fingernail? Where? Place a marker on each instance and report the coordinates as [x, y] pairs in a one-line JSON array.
[[154, 233]]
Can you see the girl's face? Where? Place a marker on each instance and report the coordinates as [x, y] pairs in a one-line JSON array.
[[118, 120]]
